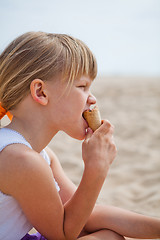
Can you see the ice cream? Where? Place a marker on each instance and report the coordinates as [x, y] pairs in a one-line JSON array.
[[93, 118]]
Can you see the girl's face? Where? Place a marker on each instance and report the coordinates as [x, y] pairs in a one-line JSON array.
[[67, 107]]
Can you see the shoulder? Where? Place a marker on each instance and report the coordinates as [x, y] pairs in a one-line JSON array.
[[18, 162], [55, 164], [20, 156], [54, 161], [51, 154]]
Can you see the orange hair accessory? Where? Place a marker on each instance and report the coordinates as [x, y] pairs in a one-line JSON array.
[[3, 112]]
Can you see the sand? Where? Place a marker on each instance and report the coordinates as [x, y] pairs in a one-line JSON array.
[[133, 106]]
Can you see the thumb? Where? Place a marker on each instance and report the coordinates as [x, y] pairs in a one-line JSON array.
[[89, 133]]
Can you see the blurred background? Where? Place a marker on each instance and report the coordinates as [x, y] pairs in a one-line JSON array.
[[123, 34]]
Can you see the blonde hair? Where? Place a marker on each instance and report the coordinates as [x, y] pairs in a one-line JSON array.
[[45, 56]]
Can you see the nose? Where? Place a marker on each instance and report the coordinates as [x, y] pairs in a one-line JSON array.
[[91, 99]]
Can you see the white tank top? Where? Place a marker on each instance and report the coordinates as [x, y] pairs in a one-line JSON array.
[[13, 223]]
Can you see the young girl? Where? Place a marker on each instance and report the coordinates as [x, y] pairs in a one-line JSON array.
[[45, 84]]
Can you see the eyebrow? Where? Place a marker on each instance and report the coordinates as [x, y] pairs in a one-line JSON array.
[[87, 80]]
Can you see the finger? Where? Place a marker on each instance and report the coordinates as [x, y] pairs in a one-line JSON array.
[[89, 133], [105, 127], [111, 131]]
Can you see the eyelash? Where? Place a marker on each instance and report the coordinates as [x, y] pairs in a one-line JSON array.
[[83, 86]]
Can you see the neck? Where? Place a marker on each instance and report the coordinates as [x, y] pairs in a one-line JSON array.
[[36, 133], [32, 120]]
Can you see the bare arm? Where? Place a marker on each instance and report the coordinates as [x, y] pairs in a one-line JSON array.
[[30, 181], [28, 178], [124, 222], [79, 207]]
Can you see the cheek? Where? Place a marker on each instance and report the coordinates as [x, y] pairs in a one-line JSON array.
[[77, 103], [68, 112], [72, 106]]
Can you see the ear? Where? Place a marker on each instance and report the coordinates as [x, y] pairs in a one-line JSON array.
[[38, 91]]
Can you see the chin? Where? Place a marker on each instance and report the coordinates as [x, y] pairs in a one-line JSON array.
[[81, 138], [78, 135]]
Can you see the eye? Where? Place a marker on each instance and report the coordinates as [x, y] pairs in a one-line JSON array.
[[82, 86]]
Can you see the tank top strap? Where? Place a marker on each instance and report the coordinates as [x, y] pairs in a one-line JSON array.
[[9, 136]]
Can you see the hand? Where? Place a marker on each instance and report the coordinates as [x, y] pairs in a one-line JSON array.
[[98, 148]]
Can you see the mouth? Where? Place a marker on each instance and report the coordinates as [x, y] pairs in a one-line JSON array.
[[89, 109]]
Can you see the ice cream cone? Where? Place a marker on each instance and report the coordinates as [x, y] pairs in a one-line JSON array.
[[93, 118]]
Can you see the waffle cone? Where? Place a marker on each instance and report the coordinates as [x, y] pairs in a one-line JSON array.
[[93, 118]]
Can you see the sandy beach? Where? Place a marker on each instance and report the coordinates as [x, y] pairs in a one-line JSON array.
[[133, 106]]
